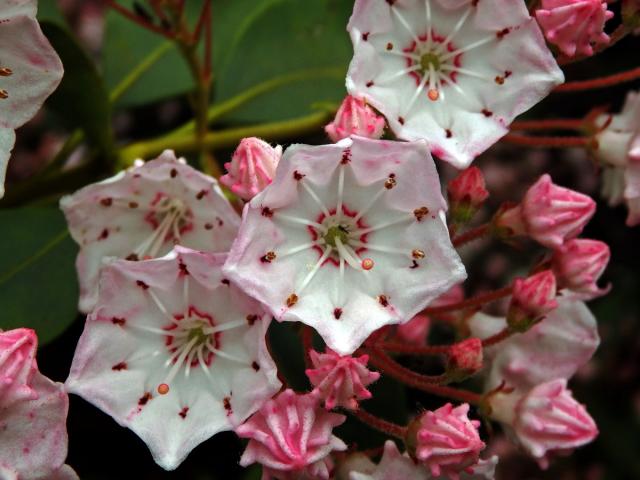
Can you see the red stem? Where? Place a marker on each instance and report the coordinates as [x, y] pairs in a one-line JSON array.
[[477, 301], [602, 82], [202, 20], [470, 235], [413, 349], [388, 366], [551, 124], [497, 338], [553, 142], [390, 428], [139, 20]]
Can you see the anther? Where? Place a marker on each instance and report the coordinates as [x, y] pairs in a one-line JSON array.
[[433, 94], [5, 72], [268, 257], [420, 213], [163, 389], [367, 264], [390, 183], [292, 300], [3, 94], [417, 254]]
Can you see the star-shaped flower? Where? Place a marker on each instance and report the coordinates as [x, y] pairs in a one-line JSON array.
[[348, 238], [174, 351], [142, 213], [455, 73], [30, 71], [33, 414]]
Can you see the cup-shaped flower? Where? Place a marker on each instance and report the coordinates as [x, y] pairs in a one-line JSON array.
[[464, 359], [292, 437], [554, 348], [355, 117], [252, 167], [340, 380], [575, 26], [548, 213], [467, 193], [578, 264], [532, 298], [446, 440], [30, 70], [33, 413], [348, 238], [142, 213], [618, 149], [174, 351], [453, 73], [545, 421]]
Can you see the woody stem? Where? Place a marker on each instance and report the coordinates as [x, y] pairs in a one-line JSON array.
[[552, 142], [497, 338], [390, 428], [470, 235], [551, 124], [477, 301], [602, 82]]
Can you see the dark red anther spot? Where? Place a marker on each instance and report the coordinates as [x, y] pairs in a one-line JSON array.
[[389, 46], [255, 366], [200, 195], [391, 2], [448, 133], [104, 234], [119, 367], [337, 313], [365, 36], [499, 80], [414, 265], [487, 113], [142, 285], [297, 175], [227, 405], [136, 175], [267, 212], [145, 399], [474, 3], [118, 321], [503, 32], [225, 281], [183, 412], [383, 300], [369, 84], [132, 257], [220, 222], [183, 269], [106, 202], [420, 213], [346, 156], [251, 319], [133, 204], [208, 226], [173, 173], [507, 73], [268, 257], [401, 120]]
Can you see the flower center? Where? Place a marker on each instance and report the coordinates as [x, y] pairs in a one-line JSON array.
[[336, 232], [429, 61]]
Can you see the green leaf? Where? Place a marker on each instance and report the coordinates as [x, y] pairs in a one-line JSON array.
[[81, 100], [278, 37], [51, 11], [38, 287]]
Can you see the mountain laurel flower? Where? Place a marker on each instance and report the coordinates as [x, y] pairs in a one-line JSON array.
[[545, 421], [445, 440], [355, 117], [555, 347], [292, 438], [33, 413], [548, 213], [464, 359], [252, 167], [532, 298], [575, 26], [141, 213], [174, 351], [30, 70], [618, 150], [578, 264], [467, 193], [348, 238], [454, 74], [341, 381]]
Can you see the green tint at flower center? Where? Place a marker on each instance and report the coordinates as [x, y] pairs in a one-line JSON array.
[[199, 335], [334, 232], [429, 61]]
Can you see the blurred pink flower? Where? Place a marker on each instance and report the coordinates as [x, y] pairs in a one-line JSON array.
[[291, 437], [252, 167], [355, 117], [578, 264]]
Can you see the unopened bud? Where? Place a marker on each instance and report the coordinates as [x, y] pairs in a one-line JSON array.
[[533, 298]]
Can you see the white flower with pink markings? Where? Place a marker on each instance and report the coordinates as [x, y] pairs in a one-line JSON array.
[[141, 213], [174, 351], [455, 73], [348, 238], [30, 70]]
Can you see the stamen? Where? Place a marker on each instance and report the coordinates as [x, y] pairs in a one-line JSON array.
[[315, 197], [314, 270], [367, 264], [302, 221], [400, 73], [405, 25], [297, 249], [456, 29], [401, 219], [344, 253], [163, 389], [373, 200], [466, 48], [453, 68], [340, 193]]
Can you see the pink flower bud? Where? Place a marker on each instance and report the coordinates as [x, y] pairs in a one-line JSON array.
[[575, 26], [579, 263], [17, 364], [548, 213], [548, 419], [252, 167], [533, 297], [445, 440], [465, 359], [340, 380], [291, 435], [355, 117], [467, 193]]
